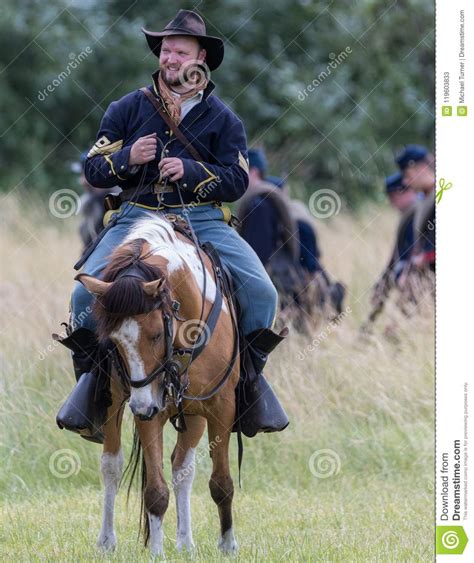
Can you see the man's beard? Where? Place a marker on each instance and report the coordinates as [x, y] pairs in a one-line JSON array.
[[185, 76], [170, 82]]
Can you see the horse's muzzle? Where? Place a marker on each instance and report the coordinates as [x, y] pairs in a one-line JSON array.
[[144, 413]]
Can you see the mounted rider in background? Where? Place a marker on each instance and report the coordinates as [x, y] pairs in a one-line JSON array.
[[282, 232], [267, 225]]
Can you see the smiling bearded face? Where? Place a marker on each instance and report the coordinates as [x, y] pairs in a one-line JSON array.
[[176, 51]]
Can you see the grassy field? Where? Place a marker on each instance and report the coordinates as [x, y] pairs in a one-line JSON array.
[[350, 480]]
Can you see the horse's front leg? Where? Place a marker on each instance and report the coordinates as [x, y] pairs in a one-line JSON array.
[[221, 485], [183, 460], [156, 492], [111, 466]]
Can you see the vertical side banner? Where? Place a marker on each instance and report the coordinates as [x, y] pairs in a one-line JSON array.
[[454, 302]]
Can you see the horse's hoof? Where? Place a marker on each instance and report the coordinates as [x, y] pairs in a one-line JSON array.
[[185, 542], [157, 555], [227, 543], [107, 542]]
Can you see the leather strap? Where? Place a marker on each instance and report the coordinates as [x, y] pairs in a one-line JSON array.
[[171, 124]]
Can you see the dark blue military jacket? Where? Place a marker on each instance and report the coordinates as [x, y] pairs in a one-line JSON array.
[[260, 227], [406, 241], [210, 126], [309, 249]]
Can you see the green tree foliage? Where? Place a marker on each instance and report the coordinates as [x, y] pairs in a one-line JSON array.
[[331, 89]]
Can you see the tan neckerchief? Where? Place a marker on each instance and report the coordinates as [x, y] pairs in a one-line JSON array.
[[173, 102]]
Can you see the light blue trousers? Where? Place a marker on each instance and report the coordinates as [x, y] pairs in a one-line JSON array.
[[255, 292]]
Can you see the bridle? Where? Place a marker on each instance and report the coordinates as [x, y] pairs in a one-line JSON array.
[[177, 361]]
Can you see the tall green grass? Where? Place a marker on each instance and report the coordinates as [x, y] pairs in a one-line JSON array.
[[369, 401]]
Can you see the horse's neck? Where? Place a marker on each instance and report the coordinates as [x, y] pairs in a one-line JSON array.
[[185, 290], [182, 284]]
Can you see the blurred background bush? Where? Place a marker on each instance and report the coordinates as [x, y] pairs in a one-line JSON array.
[[342, 135]]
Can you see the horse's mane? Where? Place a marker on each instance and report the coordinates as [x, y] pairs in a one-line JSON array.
[[126, 297]]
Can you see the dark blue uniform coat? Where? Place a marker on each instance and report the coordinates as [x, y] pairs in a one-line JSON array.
[[210, 126]]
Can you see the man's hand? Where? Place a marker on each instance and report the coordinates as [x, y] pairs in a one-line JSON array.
[[172, 168], [143, 150]]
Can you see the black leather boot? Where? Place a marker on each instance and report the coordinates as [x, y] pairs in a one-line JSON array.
[[84, 411], [258, 409]]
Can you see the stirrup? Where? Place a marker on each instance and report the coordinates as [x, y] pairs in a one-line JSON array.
[[257, 407]]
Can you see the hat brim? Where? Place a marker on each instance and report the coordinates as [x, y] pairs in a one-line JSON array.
[[214, 45]]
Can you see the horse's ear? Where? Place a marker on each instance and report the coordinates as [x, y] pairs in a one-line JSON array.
[[93, 285], [154, 287]]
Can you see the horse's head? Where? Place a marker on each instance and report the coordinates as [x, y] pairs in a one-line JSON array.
[[133, 309]]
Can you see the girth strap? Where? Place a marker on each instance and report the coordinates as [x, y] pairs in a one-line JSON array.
[[216, 308]]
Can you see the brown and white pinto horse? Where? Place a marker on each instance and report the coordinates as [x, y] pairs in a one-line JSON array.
[[152, 270]]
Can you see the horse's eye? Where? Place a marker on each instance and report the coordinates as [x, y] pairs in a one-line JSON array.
[[156, 337]]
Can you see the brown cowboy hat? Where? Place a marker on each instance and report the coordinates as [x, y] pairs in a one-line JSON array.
[[187, 22]]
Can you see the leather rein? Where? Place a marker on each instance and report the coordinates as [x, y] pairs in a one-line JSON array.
[[177, 361]]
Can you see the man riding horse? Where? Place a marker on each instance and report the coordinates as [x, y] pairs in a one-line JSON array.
[[150, 143]]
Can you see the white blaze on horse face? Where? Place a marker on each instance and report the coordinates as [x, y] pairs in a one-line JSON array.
[[183, 478], [128, 336], [161, 236]]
